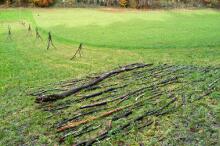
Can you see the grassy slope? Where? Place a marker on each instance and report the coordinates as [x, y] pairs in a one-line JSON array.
[[153, 29], [183, 37]]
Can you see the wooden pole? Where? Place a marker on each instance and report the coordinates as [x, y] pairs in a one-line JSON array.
[[29, 28], [38, 36], [9, 33], [78, 51], [50, 41]]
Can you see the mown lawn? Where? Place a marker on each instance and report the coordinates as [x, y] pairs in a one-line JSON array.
[[110, 38]]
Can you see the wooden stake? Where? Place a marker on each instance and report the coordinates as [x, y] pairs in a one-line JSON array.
[[22, 23], [50, 42], [78, 51], [9, 33], [38, 36], [29, 28]]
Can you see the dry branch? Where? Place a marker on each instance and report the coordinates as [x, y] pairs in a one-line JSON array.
[[142, 88], [100, 93], [77, 123], [107, 133], [53, 97], [73, 124]]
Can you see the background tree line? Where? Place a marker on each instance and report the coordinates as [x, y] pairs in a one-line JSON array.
[[115, 3]]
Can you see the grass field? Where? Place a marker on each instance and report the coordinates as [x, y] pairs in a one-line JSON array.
[[110, 38]]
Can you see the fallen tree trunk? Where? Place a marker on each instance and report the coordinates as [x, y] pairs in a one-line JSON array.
[[53, 97]]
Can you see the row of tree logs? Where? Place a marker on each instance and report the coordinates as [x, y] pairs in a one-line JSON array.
[[95, 107]]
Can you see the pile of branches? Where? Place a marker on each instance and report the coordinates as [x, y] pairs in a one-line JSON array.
[[97, 106]]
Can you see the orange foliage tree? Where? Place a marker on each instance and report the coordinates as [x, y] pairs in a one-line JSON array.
[[123, 3], [43, 3]]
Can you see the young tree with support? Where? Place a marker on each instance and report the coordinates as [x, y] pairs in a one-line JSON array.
[[29, 29], [9, 33], [23, 23], [50, 41], [78, 51], [38, 36]]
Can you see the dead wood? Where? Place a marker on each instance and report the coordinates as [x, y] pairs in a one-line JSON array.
[[210, 89], [83, 130], [131, 107], [112, 100], [100, 93], [73, 124], [124, 114], [89, 119], [107, 133], [155, 111], [156, 86], [89, 142], [58, 108], [53, 97], [79, 115], [153, 86], [211, 85], [93, 88], [40, 92]]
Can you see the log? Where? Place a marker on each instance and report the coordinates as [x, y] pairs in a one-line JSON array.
[[157, 81], [124, 114], [78, 123], [112, 100], [77, 116], [54, 97], [86, 129], [89, 142], [100, 93], [73, 124], [155, 111], [109, 132]]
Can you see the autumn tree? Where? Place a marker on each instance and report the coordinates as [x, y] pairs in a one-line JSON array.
[[43, 3]]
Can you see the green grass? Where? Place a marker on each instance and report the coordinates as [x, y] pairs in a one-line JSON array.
[[110, 39], [135, 30]]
